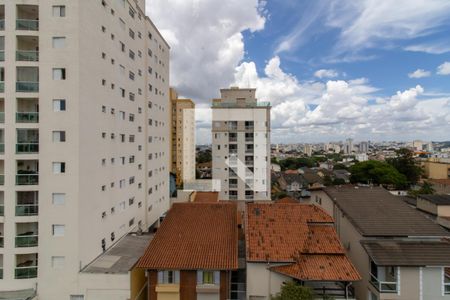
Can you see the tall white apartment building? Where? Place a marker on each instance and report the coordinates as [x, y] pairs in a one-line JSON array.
[[84, 136], [241, 145]]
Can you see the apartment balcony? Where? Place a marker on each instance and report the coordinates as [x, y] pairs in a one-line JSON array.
[[26, 266], [2, 204], [27, 141], [232, 138], [27, 17], [249, 140], [2, 86], [27, 203], [27, 110], [2, 48], [250, 151], [249, 163], [2, 172], [27, 117], [2, 17], [2, 80], [27, 172], [2, 179], [28, 48], [2, 110], [27, 235], [232, 173], [232, 151], [249, 127], [1, 236], [384, 278], [233, 197], [2, 141], [232, 185], [27, 80], [249, 197]]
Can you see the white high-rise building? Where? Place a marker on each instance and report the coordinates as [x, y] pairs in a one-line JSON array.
[[363, 147], [84, 103], [241, 145]]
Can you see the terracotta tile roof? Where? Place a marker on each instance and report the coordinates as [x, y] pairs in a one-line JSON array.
[[195, 236], [206, 197], [286, 200], [320, 268], [301, 235]]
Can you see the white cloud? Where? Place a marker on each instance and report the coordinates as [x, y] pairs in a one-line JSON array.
[[444, 69], [326, 73], [435, 48], [206, 40], [419, 73]]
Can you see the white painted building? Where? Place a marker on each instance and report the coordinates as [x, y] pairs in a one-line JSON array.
[[84, 101], [241, 145]]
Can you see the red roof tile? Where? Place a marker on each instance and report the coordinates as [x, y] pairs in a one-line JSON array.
[[206, 197], [322, 239], [195, 236], [286, 200]]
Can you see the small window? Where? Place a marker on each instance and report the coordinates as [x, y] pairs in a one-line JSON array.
[[59, 105], [59, 74], [58, 230], [58, 42], [59, 167], [168, 277], [59, 136], [58, 198], [58, 262], [59, 11]]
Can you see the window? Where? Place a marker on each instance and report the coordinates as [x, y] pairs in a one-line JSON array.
[[58, 262], [58, 230], [131, 32], [59, 136], [59, 74], [122, 47], [131, 222], [446, 277], [168, 277], [208, 277], [59, 105], [59, 167], [58, 42], [58, 198], [131, 201], [59, 11], [131, 54]]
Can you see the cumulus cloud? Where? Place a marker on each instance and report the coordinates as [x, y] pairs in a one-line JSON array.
[[419, 73], [326, 73], [444, 69], [206, 40]]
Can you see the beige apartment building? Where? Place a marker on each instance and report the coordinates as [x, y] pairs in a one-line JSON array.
[[182, 138], [241, 145], [436, 168], [401, 253], [84, 103]]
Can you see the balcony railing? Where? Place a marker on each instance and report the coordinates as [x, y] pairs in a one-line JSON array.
[[249, 127], [383, 286], [27, 179], [24, 55], [2, 55], [2, 179], [249, 197], [232, 139], [249, 151], [27, 148], [2, 117], [232, 185], [249, 139], [233, 197], [27, 117], [26, 241], [2, 148], [27, 210], [26, 272], [2, 87], [27, 86], [2, 210], [249, 162], [233, 151], [23, 24]]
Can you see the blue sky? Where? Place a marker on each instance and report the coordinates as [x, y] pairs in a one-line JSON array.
[[332, 69]]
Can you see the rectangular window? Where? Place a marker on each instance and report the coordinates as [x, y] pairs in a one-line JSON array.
[[59, 136], [169, 277], [58, 230], [208, 277], [59, 74], [59, 105], [59, 11], [58, 198], [58, 262], [58, 42], [446, 276], [59, 167], [131, 54]]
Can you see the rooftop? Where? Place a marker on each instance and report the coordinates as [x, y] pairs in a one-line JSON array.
[[206, 197], [195, 236], [376, 212], [301, 235], [121, 257], [437, 199]]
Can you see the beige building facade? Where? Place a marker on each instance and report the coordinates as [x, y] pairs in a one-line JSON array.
[[84, 95], [182, 138], [241, 145], [436, 168]]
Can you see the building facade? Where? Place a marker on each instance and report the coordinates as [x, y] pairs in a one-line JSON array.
[[182, 138], [84, 100], [241, 145]]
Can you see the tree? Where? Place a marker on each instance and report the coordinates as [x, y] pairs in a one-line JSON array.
[[327, 180], [338, 181], [425, 189], [292, 163], [405, 163], [340, 166], [294, 291], [377, 172]]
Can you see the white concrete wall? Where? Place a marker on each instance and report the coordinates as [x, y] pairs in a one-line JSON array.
[[263, 283]]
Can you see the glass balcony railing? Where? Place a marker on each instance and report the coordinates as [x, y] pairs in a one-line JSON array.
[[27, 148], [23, 24], [27, 86], [23, 55], [2, 24], [2, 87], [23, 241], [2, 117], [2, 55], [2, 210], [26, 272], [383, 286], [2, 179], [232, 185], [2, 148], [27, 117], [233, 197], [27, 179], [27, 210]]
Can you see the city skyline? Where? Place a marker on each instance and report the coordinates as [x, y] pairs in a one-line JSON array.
[[327, 77]]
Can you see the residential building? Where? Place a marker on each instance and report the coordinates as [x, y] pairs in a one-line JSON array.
[[441, 186], [363, 147], [193, 253], [399, 251], [437, 206], [348, 146], [287, 241], [241, 145], [182, 138], [436, 168], [84, 96]]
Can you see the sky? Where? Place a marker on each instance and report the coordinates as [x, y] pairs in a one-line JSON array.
[[332, 69]]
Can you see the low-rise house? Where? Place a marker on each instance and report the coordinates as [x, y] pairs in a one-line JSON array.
[[436, 205], [286, 241], [342, 174], [193, 253], [441, 186], [400, 253], [291, 182]]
